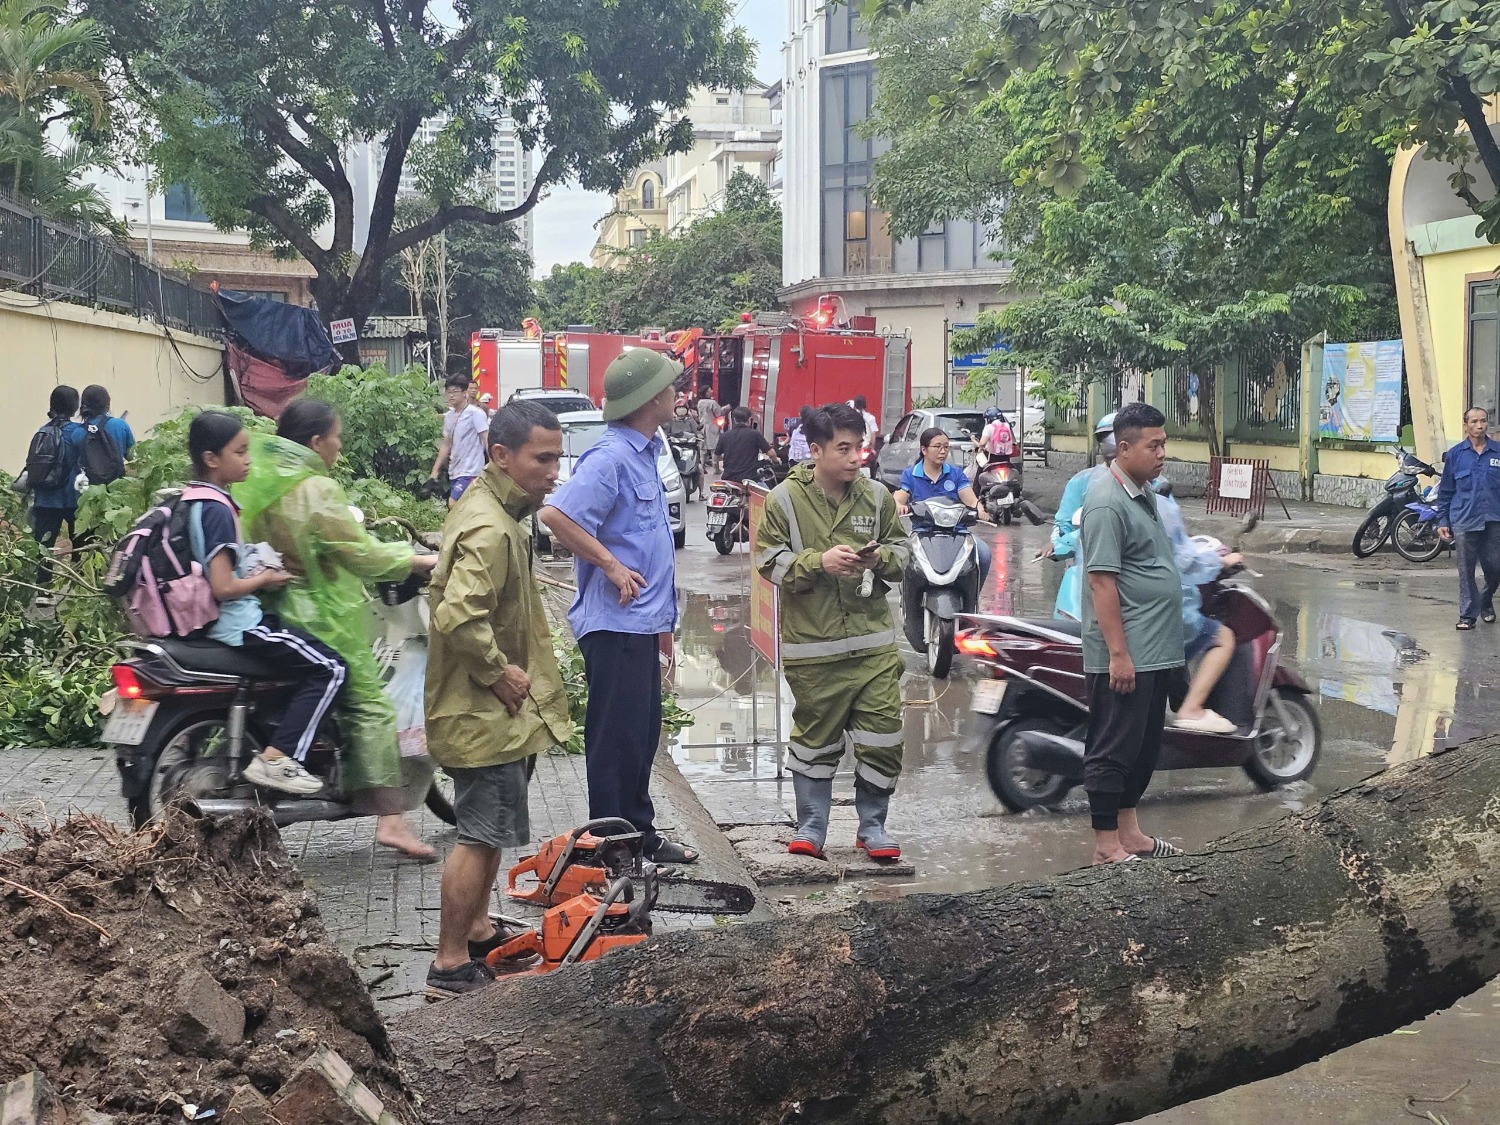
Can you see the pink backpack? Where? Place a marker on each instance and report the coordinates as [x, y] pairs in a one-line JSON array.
[[154, 576]]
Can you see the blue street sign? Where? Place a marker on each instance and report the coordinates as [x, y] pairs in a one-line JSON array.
[[976, 360]]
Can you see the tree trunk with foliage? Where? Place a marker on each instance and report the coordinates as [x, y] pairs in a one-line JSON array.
[[1096, 997]]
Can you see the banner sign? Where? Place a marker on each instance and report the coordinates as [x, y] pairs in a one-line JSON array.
[[343, 331], [765, 598], [1361, 392]]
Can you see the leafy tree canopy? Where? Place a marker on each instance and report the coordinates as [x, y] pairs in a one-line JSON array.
[[724, 264], [1252, 208], [254, 105]]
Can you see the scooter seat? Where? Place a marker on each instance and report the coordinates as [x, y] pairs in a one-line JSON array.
[[221, 659], [1056, 625]]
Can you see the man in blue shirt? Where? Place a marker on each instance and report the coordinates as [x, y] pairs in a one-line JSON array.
[[1469, 513], [612, 515]]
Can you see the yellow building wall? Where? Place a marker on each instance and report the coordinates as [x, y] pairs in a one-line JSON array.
[[1445, 276], [1070, 443], [1285, 458], [1355, 463], [58, 343]]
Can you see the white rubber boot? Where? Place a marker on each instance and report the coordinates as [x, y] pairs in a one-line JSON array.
[[873, 804]]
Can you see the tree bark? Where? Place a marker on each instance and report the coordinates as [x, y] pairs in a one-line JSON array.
[[1096, 997]]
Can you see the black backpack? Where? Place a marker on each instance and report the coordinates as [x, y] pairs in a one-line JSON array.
[[46, 462], [102, 460]]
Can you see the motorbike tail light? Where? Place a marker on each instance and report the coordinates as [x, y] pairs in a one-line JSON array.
[[974, 644], [126, 681]]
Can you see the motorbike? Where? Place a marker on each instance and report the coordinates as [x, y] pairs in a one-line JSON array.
[[1415, 530], [729, 507], [1400, 490], [941, 580], [687, 451], [185, 716], [997, 483], [1031, 704]]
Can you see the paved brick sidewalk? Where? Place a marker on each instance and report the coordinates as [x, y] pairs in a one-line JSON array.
[[381, 909]]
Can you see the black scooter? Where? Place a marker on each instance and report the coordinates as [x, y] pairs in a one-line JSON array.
[[941, 580], [729, 507], [997, 483], [1400, 490]]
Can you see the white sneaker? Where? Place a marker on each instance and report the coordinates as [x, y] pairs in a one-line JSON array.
[[1210, 722], [285, 775]]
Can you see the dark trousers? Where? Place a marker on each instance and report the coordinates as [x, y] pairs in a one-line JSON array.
[[46, 525], [1124, 742], [317, 670], [623, 727], [1478, 548]]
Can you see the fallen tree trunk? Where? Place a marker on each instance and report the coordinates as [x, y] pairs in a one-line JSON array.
[[1097, 997]]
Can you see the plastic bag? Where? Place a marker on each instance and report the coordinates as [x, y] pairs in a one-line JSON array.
[[407, 691]]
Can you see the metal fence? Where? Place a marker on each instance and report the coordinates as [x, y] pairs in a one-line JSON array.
[[1267, 381], [1073, 419], [1189, 400], [56, 262]]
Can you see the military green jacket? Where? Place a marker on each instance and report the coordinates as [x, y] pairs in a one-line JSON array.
[[823, 618], [487, 613]]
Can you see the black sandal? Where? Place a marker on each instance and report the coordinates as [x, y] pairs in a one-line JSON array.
[[668, 852], [1488, 617], [1465, 623]]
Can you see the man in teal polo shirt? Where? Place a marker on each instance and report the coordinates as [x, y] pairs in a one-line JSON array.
[[1132, 634]]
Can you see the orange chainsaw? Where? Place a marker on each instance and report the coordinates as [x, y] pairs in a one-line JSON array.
[[584, 928], [592, 857]]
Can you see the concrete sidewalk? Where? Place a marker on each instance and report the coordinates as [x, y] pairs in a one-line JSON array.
[[382, 909]]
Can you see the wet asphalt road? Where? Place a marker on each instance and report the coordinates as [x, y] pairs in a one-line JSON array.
[[1393, 679]]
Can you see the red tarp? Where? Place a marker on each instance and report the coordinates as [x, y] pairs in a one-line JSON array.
[[262, 385]]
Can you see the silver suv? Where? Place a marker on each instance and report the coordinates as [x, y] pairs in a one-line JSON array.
[[560, 400]]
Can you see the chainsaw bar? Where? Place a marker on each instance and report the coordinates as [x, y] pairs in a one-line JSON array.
[[675, 895]]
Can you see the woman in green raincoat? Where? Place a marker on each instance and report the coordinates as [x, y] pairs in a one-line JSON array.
[[290, 501]]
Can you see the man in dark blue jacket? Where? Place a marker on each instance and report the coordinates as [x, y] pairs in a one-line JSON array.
[[1469, 513]]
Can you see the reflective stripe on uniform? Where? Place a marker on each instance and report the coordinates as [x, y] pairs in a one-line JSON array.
[[765, 557], [809, 755], [842, 647], [870, 738], [784, 499], [818, 772], [863, 772]]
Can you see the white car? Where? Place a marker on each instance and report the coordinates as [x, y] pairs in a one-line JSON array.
[[582, 428]]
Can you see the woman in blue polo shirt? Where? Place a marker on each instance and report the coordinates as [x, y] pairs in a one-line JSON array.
[[932, 477]]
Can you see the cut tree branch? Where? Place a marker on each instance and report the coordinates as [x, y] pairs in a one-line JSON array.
[[1093, 998]]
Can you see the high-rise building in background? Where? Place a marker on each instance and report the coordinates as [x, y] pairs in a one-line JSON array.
[[835, 240]]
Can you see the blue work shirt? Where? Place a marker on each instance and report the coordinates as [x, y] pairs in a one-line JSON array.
[[950, 482], [1469, 495], [615, 495], [64, 496]]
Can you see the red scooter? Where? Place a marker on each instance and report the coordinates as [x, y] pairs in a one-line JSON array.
[[1032, 709]]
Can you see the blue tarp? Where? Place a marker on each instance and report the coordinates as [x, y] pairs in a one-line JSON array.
[[289, 335]]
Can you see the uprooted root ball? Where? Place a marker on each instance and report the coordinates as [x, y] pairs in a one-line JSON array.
[[139, 970]]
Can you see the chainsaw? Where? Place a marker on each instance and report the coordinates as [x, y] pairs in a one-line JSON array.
[[583, 928], [594, 856]]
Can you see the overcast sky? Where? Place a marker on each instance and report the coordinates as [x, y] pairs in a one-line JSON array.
[[565, 218]]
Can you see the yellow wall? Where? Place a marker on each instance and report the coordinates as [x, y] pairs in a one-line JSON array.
[[1448, 301], [1285, 458], [1070, 443], [61, 343], [1355, 463], [1185, 449]]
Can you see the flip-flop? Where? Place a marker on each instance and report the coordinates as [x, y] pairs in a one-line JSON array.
[[1465, 624], [1131, 858], [1159, 849], [669, 852]]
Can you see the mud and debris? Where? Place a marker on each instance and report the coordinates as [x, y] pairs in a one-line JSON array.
[[145, 971]]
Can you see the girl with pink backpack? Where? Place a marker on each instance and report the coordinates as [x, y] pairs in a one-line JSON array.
[[220, 448]]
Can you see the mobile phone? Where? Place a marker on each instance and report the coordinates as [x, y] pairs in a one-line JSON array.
[[867, 550]]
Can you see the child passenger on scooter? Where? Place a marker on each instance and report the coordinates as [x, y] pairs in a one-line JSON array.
[[1209, 642], [220, 448]]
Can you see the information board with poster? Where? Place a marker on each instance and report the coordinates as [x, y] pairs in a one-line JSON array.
[[343, 331], [1361, 392], [1238, 486], [765, 598]]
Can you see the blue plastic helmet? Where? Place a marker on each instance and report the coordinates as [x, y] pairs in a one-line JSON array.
[[1104, 434], [992, 414]]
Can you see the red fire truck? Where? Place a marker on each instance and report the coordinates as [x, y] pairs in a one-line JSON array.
[[777, 364], [505, 362]]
